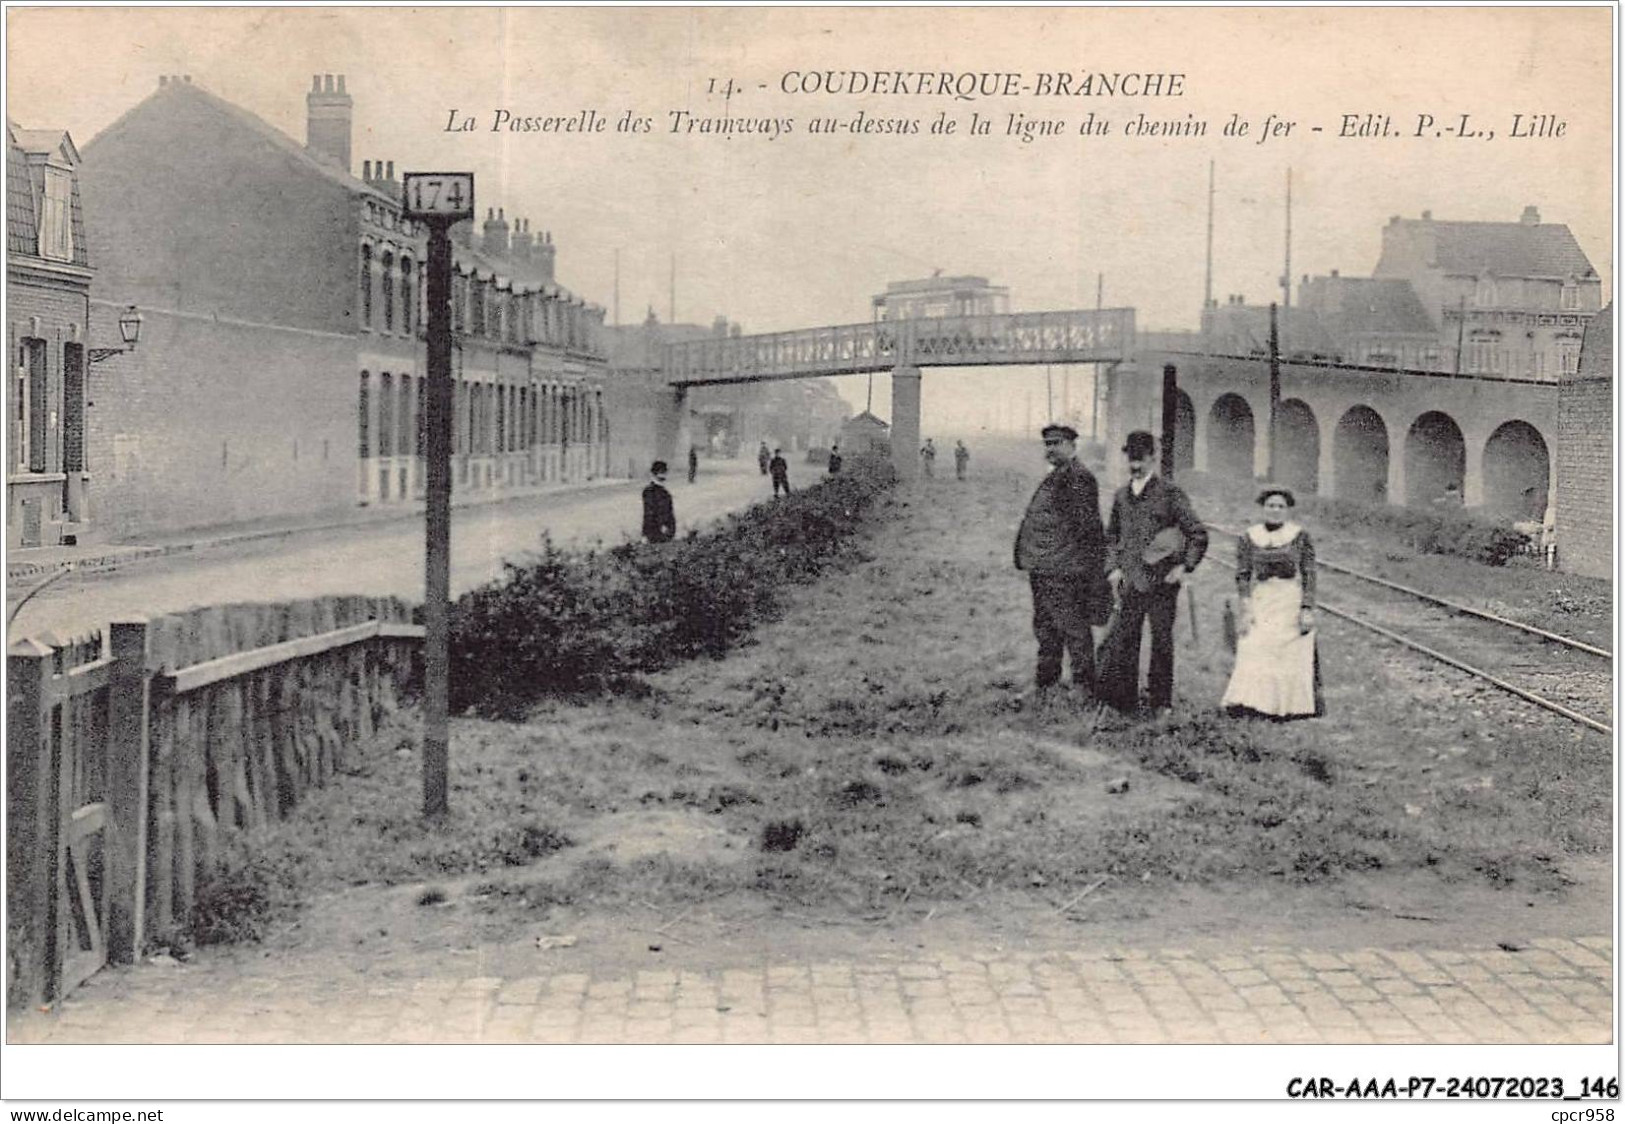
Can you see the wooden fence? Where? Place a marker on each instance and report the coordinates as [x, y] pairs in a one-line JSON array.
[[135, 758]]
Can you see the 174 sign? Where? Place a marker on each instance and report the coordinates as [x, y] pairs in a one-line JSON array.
[[438, 200], [439, 195]]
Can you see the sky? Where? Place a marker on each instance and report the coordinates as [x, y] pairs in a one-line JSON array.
[[803, 229]]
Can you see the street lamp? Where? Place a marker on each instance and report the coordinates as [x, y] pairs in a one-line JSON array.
[[129, 330]]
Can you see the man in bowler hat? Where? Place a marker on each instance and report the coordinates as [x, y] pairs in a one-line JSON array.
[[659, 520], [1062, 548], [1153, 540]]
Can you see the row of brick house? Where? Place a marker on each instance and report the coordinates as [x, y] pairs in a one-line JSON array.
[[47, 315], [279, 370]]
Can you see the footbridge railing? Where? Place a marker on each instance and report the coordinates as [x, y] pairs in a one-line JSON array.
[[1078, 336]]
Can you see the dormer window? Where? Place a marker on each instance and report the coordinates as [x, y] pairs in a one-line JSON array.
[[1571, 295], [1485, 297], [56, 215]]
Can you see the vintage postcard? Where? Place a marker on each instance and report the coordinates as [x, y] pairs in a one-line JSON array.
[[812, 525]]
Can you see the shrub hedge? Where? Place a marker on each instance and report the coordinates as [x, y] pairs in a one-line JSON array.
[[1431, 530], [564, 622]]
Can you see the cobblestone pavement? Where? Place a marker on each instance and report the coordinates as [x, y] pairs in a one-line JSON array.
[[1555, 990]]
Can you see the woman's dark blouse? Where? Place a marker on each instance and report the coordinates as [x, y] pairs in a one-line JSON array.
[[1295, 558]]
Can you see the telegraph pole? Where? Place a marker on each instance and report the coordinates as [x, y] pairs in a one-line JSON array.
[[437, 199], [1275, 391]]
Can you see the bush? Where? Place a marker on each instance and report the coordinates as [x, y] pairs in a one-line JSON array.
[[565, 622], [1451, 531]]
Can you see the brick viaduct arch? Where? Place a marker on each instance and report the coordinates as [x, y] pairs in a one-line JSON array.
[[1359, 433]]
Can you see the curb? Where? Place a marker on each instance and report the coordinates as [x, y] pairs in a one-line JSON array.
[[116, 557]]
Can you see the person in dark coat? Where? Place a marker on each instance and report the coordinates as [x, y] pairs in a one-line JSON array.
[[693, 462], [961, 459], [1153, 541], [835, 459], [779, 469], [659, 520], [1062, 548], [763, 458]]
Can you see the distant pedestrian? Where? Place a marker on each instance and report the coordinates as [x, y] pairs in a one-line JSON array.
[[1153, 540], [1062, 548], [693, 462], [961, 459], [779, 469], [928, 457], [835, 459], [763, 458], [659, 520]]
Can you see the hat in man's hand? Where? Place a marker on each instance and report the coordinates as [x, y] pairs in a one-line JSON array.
[[1167, 543], [1139, 445]]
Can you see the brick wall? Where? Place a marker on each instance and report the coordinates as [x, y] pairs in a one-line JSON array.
[[1585, 449], [193, 206], [211, 422]]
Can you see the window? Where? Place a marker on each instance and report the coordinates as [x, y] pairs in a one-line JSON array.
[[73, 407], [39, 402], [403, 431], [1568, 358], [1571, 295], [362, 418], [1485, 296], [386, 399], [476, 313], [387, 265], [366, 286], [407, 305], [56, 216]]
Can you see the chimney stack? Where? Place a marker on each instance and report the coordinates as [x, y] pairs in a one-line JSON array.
[[496, 234], [1531, 217], [327, 123], [523, 240], [544, 256]]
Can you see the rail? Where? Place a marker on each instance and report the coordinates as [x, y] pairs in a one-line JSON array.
[[1460, 665], [1077, 336], [1454, 606]]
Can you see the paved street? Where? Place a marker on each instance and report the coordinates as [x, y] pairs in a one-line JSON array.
[[1556, 990], [377, 558]]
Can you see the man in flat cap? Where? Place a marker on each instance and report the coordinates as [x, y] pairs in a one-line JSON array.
[[1062, 548], [1153, 540]]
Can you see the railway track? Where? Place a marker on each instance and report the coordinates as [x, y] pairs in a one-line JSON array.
[[1557, 673]]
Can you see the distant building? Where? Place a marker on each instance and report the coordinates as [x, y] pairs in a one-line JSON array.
[[281, 369], [866, 434], [47, 317], [940, 296], [1584, 507], [1508, 299], [794, 414]]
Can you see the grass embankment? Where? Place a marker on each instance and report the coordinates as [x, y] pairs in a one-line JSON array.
[[864, 752]]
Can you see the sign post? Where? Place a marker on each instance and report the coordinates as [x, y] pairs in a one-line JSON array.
[[437, 199]]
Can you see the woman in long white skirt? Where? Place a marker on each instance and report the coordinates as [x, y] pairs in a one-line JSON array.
[[1277, 672]]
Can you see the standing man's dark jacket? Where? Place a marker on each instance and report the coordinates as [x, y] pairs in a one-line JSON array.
[[1136, 520], [659, 520], [1141, 526], [1061, 534], [1062, 547]]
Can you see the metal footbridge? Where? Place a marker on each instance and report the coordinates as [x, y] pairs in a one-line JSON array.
[[1007, 339]]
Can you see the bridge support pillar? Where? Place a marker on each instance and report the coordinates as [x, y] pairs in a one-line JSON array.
[[1396, 475], [1326, 474], [905, 421], [1472, 481], [670, 421], [1121, 380]]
